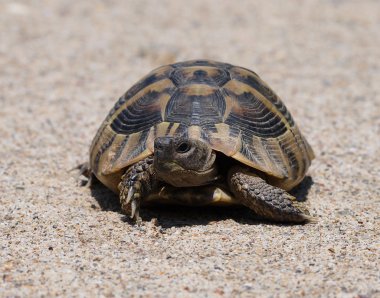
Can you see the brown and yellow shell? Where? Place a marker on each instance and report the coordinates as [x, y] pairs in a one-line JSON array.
[[227, 106]]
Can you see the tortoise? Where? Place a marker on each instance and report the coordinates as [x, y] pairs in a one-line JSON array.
[[203, 132]]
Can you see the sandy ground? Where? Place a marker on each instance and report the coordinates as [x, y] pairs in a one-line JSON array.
[[63, 64]]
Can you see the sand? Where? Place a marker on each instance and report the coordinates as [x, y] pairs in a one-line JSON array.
[[63, 64]]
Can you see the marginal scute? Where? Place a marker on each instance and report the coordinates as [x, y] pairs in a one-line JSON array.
[[229, 107]]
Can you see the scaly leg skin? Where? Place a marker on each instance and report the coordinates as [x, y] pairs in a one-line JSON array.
[[266, 200], [137, 183]]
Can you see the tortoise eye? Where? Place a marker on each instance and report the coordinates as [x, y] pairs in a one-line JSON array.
[[183, 147]]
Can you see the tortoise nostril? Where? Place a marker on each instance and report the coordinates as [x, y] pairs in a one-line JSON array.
[[161, 143], [157, 146]]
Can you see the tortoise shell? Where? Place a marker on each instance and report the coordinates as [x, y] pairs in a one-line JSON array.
[[229, 107]]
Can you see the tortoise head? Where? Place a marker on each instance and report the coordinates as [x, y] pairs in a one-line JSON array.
[[184, 162]]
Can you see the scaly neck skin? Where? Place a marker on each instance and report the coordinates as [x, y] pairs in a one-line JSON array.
[[184, 162]]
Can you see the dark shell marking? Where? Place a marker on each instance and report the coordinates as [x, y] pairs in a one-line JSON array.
[[227, 106]]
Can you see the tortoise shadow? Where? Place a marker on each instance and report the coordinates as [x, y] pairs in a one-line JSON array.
[[107, 200], [178, 216], [173, 215], [302, 190]]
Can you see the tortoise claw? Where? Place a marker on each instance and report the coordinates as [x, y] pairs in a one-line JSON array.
[[134, 209], [135, 212], [131, 192]]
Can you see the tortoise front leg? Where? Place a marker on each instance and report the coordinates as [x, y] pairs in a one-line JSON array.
[[136, 184], [264, 199]]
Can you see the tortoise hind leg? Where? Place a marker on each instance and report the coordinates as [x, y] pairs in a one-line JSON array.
[[136, 184], [264, 199], [85, 176]]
